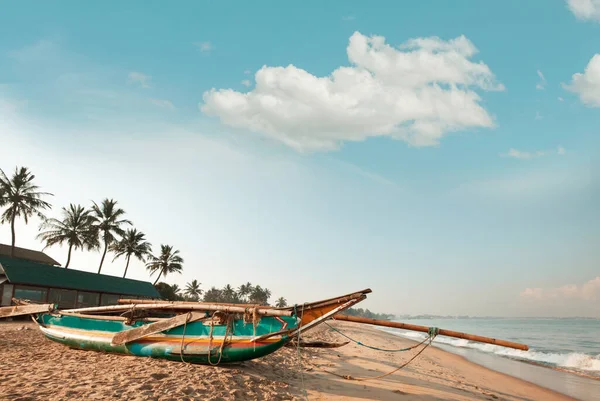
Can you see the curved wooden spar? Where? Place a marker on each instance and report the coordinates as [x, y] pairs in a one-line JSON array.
[[176, 306], [425, 329], [17, 310]]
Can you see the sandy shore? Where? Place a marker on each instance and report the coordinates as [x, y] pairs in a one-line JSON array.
[[34, 368]]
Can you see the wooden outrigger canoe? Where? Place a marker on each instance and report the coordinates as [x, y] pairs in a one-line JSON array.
[[197, 332], [204, 333]]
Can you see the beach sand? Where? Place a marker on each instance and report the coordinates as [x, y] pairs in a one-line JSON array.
[[34, 368]]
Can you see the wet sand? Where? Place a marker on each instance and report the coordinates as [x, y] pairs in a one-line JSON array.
[[34, 368]]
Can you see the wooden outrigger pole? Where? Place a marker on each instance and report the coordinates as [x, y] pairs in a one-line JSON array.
[[18, 310], [354, 319], [179, 306], [424, 329]]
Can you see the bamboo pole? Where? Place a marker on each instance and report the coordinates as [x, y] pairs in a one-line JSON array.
[[18, 310], [299, 307], [156, 301], [175, 306], [110, 318], [424, 329]]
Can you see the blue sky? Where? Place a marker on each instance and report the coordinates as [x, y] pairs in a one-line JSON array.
[[444, 154]]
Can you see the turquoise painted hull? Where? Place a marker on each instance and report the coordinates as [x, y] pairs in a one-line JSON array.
[[198, 345]]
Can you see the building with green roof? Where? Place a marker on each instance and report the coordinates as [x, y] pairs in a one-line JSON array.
[[36, 279]]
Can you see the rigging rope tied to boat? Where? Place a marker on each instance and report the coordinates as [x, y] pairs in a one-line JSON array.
[[298, 349], [376, 348], [187, 319], [255, 321], [432, 333], [228, 325]]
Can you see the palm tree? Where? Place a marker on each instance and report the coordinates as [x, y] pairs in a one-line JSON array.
[[244, 291], [133, 243], [166, 292], [281, 302], [168, 262], [192, 290], [176, 289], [107, 224], [213, 295], [75, 229], [21, 198], [229, 294], [260, 295]]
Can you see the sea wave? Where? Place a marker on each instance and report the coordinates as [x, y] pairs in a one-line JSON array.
[[573, 360]]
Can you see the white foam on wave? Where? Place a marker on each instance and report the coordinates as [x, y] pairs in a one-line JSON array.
[[573, 360]]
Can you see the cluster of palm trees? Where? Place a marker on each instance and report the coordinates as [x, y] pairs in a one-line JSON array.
[[99, 227], [103, 227], [246, 293]]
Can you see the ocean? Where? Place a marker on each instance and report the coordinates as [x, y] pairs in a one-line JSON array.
[[564, 354]]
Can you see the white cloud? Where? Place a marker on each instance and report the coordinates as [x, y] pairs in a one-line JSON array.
[[418, 93], [522, 155], [542, 84], [537, 293], [204, 47], [165, 104], [560, 99], [140, 79], [585, 9], [527, 187], [10, 106], [42, 50], [246, 83], [538, 115], [589, 291], [587, 84], [348, 18], [247, 72], [526, 155], [79, 88]]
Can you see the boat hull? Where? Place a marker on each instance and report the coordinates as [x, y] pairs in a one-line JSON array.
[[199, 343]]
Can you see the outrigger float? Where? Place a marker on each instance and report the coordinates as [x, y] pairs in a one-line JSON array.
[[199, 332]]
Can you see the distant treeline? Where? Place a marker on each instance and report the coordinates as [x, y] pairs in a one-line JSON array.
[[367, 313], [246, 293]]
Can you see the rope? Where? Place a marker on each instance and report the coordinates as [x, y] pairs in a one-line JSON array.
[[210, 338], [254, 324], [375, 348], [188, 317], [433, 332], [229, 320], [298, 350]]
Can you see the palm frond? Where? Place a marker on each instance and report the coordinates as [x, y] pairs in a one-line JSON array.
[[21, 197], [167, 262], [74, 229]]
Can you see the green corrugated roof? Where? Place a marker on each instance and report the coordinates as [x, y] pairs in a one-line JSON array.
[[28, 254], [20, 271]]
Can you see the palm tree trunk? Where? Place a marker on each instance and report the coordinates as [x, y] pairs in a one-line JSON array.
[[69, 257], [157, 278], [126, 266], [103, 255], [12, 230]]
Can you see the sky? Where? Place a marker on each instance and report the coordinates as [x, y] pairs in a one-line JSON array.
[[444, 154]]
